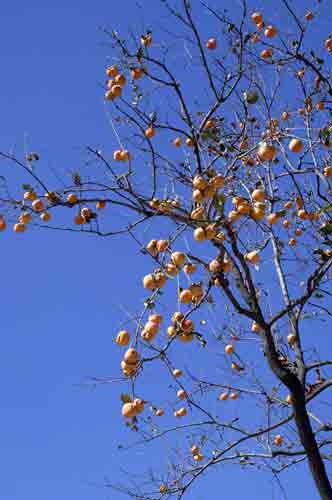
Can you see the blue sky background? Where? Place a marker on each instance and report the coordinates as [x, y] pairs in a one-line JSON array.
[[64, 295]]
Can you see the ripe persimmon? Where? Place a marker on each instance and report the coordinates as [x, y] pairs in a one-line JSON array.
[[211, 44], [123, 338]]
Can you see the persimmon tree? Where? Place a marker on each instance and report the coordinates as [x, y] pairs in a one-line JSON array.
[[222, 179]]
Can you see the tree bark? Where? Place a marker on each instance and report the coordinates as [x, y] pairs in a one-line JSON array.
[[309, 443]]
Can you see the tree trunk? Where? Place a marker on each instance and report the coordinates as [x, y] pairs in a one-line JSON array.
[[309, 443]]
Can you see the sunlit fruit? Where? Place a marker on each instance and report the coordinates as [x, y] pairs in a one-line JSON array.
[[131, 356], [209, 125], [253, 257], [79, 220], [243, 208], [218, 181], [160, 279], [235, 367], [266, 53], [136, 73], [198, 196], [52, 197], [139, 405], [109, 96], [198, 457], [189, 142], [223, 396], [211, 44], [194, 449], [72, 198], [171, 331], [189, 268], [198, 214], [45, 216], [272, 218], [185, 296], [258, 195], [129, 370], [129, 410], [199, 234], [254, 38], [117, 155], [177, 142], [123, 338], [229, 349], [291, 339], [125, 155], [100, 204], [327, 171], [116, 90], [233, 216], [199, 183], [233, 395], [38, 205], [270, 31], [182, 412], [257, 214], [292, 242], [25, 217], [160, 412], [86, 212], [278, 440], [196, 290], [257, 17], [112, 71], [156, 318], [171, 269], [162, 487], [181, 394], [3, 224], [162, 245], [255, 327], [149, 282], [178, 258], [151, 329], [152, 248], [120, 80], [298, 231], [19, 227], [302, 214], [29, 196], [177, 372], [150, 132], [295, 145], [215, 266], [266, 152], [146, 40], [328, 44], [177, 317], [309, 16], [286, 223], [187, 325]]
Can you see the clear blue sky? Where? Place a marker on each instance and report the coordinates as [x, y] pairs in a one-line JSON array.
[[63, 294]]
